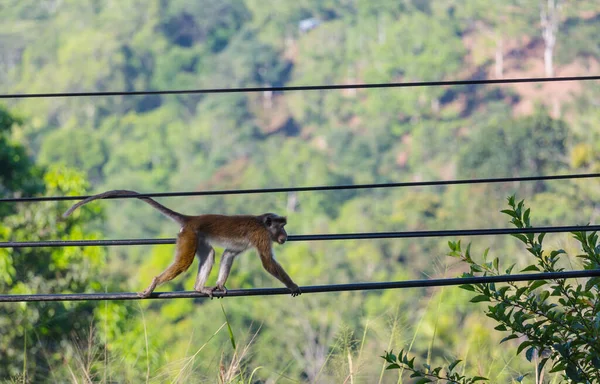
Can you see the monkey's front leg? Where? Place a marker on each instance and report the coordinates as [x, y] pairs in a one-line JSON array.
[[273, 267]]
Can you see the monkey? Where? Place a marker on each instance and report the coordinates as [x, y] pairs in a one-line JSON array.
[[198, 234]]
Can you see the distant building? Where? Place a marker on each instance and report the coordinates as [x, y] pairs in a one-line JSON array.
[[308, 24]]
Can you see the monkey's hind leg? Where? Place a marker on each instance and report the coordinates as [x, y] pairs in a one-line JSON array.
[[206, 258], [184, 256]]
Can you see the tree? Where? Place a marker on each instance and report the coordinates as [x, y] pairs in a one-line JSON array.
[[18, 175], [550, 20], [530, 145], [33, 334]]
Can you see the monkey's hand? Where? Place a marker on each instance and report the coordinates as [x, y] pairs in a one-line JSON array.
[[220, 287], [295, 290]]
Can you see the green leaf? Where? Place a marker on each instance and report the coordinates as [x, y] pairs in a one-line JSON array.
[[480, 378], [479, 298], [524, 345], [540, 366], [393, 366], [509, 337], [468, 287], [558, 367], [511, 200], [231, 337], [529, 354], [531, 268], [537, 284], [390, 357], [502, 291], [592, 238], [423, 380], [509, 269], [526, 217], [510, 212], [452, 245], [591, 283], [520, 378], [520, 237], [530, 237], [541, 237], [453, 365]]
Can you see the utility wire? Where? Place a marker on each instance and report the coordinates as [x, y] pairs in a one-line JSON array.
[[321, 237], [314, 188], [301, 87], [309, 289]]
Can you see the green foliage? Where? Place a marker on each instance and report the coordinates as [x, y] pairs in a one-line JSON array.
[[44, 328], [428, 374], [555, 322], [18, 175], [556, 318], [530, 145], [189, 22]]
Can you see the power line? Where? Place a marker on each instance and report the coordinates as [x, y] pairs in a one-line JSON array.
[[315, 188], [310, 289], [301, 87], [317, 237]]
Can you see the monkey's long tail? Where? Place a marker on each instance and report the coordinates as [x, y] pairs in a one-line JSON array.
[[176, 216]]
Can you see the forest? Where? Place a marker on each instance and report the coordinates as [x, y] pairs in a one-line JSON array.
[[60, 146]]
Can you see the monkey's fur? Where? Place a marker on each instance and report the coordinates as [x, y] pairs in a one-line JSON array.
[[197, 235]]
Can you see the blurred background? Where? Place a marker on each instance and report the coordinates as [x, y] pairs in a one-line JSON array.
[[201, 142]]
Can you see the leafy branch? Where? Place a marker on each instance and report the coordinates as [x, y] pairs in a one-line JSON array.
[[552, 319], [428, 374]]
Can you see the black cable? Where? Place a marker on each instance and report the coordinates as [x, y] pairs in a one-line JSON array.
[[309, 289], [317, 237], [303, 87], [316, 188]]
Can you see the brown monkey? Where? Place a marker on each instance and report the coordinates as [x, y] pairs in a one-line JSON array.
[[235, 233]]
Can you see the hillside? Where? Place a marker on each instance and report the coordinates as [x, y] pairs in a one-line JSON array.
[[164, 143]]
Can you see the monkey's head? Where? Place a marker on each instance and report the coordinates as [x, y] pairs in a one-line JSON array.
[[275, 224]]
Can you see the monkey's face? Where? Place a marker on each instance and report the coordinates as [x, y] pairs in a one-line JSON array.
[[281, 235], [275, 225]]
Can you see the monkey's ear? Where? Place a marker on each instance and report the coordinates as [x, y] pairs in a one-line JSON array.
[[268, 221]]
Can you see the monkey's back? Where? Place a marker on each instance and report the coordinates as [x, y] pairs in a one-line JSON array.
[[234, 232]]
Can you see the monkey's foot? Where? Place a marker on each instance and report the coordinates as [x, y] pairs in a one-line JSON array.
[[145, 294], [218, 288], [205, 290]]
